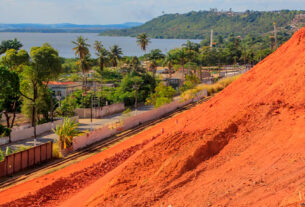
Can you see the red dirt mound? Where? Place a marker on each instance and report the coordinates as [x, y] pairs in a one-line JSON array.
[[244, 147]]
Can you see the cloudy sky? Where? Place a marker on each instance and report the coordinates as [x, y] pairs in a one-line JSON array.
[[119, 11]]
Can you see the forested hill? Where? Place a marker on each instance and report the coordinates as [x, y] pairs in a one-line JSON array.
[[197, 25]]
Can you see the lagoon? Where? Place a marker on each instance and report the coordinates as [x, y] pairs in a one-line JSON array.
[[63, 42]]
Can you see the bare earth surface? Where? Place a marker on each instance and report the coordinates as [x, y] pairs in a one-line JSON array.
[[244, 147]]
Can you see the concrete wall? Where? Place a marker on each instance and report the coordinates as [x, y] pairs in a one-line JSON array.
[[21, 134], [129, 122], [101, 111], [4, 140]]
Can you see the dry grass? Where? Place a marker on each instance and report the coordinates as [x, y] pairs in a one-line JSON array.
[[56, 150], [211, 89]]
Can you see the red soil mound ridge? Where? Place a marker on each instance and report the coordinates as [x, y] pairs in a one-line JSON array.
[[244, 147]]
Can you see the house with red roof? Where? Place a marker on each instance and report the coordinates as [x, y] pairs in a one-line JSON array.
[[63, 89]]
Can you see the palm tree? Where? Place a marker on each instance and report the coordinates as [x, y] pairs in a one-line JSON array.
[[98, 45], [191, 46], [102, 58], [81, 47], [143, 41], [169, 61], [153, 67], [101, 53], [155, 55], [115, 55], [82, 52], [66, 132], [182, 57], [85, 65], [135, 64]]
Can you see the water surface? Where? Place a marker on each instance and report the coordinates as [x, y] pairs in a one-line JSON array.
[[63, 42]]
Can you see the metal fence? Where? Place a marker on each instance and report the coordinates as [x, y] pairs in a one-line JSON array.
[[21, 160]]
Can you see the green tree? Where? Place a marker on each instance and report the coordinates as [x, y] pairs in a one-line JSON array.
[[163, 95], [101, 53], [155, 55], [98, 45], [45, 65], [153, 67], [66, 132], [13, 59], [137, 82], [67, 107], [190, 82], [181, 56], [143, 41], [191, 46], [115, 55], [9, 95], [81, 50], [169, 62], [133, 86], [136, 64], [9, 44]]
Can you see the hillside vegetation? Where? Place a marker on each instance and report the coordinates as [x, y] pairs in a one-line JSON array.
[[197, 25]]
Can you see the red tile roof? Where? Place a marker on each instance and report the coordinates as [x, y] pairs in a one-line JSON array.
[[60, 83]]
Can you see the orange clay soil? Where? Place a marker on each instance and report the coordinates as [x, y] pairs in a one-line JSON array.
[[54, 188], [244, 147]]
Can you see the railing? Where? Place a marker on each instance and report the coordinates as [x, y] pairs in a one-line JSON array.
[[19, 161]]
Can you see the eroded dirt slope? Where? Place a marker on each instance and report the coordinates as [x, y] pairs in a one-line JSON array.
[[244, 147]]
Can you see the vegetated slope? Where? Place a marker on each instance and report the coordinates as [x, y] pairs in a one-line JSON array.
[[244, 147], [197, 25]]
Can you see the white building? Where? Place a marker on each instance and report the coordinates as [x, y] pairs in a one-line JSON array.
[[64, 89]]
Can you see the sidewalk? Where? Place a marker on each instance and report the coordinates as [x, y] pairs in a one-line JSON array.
[[84, 125]]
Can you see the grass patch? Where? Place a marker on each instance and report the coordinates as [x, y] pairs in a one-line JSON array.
[[211, 89]]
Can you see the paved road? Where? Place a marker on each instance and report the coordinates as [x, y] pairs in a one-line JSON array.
[[84, 125]]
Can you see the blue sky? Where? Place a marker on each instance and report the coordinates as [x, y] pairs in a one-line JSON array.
[[119, 11]]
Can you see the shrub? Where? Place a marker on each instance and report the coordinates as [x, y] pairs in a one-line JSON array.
[[219, 86], [211, 89], [66, 132], [128, 110], [56, 150], [163, 95], [190, 82], [67, 107]]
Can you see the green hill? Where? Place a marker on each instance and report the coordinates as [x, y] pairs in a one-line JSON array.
[[197, 25]]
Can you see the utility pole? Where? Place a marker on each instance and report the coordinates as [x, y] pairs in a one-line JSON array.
[[211, 38], [275, 35]]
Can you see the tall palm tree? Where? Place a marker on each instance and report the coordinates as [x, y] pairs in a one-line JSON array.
[[98, 45], [102, 58], [143, 41], [169, 61], [191, 46], [82, 52], [85, 65], [101, 53], [182, 57], [115, 55], [81, 47]]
